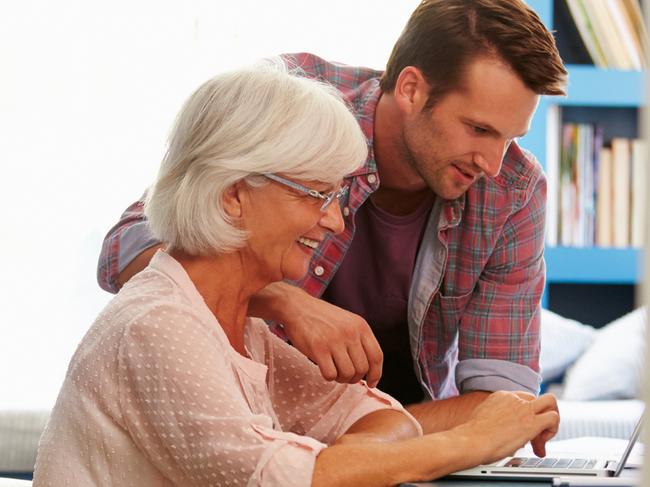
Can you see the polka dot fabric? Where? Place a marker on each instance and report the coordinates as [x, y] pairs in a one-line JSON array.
[[156, 396]]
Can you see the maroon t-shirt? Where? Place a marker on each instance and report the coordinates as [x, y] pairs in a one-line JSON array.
[[374, 280]]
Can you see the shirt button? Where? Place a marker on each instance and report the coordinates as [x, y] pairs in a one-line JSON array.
[[346, 211], [372, 178], [318, 270]]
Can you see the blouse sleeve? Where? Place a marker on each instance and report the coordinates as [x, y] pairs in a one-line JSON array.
[[307, 404], [183, 407]]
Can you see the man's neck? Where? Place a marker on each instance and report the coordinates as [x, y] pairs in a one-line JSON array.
[[401, 190], [399, 202]]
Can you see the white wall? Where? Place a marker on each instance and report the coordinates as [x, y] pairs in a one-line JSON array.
[[88, 91]]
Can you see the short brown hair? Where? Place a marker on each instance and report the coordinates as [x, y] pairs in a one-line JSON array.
[[443, 36]]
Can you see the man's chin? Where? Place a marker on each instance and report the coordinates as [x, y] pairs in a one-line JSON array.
[[451, 194]]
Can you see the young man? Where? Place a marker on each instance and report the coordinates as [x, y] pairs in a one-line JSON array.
[[446, 264]]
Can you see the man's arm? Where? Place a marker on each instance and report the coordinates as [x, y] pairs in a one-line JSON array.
[[137, 264], [499, 330], [498, 338], [339, 342], [127, 248], [444, 414]]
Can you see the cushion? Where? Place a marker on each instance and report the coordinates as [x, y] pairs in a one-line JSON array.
[[562, 342], [611, 419], [611, 367], [9, 482], [19, 435]]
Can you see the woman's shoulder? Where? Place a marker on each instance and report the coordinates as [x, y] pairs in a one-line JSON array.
[[152, 304]]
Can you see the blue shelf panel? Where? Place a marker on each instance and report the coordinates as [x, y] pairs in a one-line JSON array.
[[593, 265], [535, 139], [544, 9], [590, 86]]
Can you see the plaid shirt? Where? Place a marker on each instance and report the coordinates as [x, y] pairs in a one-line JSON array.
[[474, 304]]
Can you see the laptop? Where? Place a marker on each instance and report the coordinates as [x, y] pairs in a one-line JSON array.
[[534, 468]]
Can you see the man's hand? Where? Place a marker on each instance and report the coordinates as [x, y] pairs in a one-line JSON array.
[[506, 421], [539, 442], [339, 342]]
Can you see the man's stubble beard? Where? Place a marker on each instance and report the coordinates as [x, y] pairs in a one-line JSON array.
[[420, 167]]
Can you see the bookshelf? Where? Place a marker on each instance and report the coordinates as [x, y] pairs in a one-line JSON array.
[[593, 265], [591, 86], [618, 95]]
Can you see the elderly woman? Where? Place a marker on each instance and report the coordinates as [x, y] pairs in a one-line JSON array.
[[175, 385]]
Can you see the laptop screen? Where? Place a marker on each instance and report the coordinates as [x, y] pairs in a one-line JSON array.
[[628, 448]]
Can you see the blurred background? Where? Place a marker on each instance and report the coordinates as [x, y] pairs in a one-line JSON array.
[[88, 93]]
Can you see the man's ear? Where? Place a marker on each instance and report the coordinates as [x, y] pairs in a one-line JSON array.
[[411, 90], [233, 197]]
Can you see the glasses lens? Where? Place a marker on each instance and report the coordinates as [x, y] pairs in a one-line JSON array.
[[333, 195], [328, 201]]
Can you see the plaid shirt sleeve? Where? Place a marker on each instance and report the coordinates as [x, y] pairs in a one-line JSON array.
[[125, 241], [499, 332]]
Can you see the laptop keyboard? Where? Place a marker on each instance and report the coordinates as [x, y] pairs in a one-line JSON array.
[[579, 463]]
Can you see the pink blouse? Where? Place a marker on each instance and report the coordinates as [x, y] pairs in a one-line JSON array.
[[156, 396]]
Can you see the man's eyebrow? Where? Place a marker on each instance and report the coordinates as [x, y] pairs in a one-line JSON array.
[[491, 129]]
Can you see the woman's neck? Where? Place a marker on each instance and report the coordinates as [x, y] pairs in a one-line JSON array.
[[226, 289]]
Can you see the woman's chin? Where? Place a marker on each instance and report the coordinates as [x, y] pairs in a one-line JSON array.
[[296, 270]]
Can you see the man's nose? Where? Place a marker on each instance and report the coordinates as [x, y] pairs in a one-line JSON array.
[[490, 158]]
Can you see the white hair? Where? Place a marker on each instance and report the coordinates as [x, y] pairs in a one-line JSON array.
[[234, 127]]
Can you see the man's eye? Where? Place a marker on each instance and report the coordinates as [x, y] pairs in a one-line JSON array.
[[479, 130]]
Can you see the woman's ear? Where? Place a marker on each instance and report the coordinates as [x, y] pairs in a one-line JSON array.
[[232, 199]]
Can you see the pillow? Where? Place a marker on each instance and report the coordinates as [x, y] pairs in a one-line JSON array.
[[611, 367], [563, 341]]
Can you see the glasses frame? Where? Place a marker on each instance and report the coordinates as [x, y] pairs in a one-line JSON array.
[[328, 198]]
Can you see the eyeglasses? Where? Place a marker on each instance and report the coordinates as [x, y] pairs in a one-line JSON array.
[[327, 198]]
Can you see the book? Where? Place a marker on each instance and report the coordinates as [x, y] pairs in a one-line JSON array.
[[624, 28], [621, 191], [583, 167], [634, 16], [613, 32], [567, 194], [552, 166], [608, 35], [587, 189], [587, 32], [598, 138], [639, 215], [604, 207]]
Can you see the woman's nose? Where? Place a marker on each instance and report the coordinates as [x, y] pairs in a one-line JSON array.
[[332, 219]]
